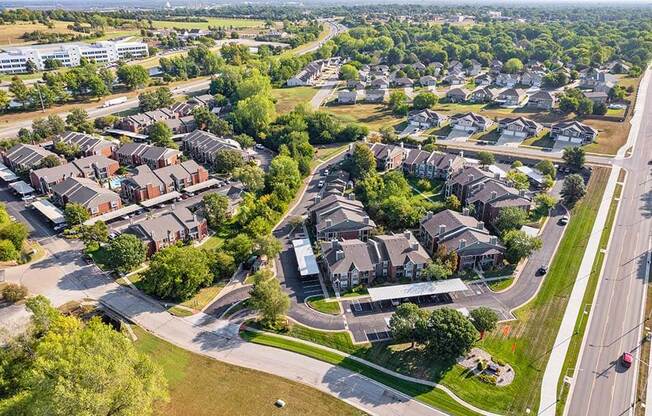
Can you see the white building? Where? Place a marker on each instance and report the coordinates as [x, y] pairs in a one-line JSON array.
[[14, 60]]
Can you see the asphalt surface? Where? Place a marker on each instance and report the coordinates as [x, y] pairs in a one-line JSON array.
[[603, 386]]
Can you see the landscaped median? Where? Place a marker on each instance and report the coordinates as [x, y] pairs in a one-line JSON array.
[[524, 344], [329, 307], [422, 391]]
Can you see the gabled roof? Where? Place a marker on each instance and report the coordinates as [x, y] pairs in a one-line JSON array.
[[85, 192], [356, 255], [492, 191], [521, 121], [428, 114], [475, 118], [542, 95], [575, 125], [86, 142], [463, 176], [453, 221], [173, 222], [400, 249], [27, 154]]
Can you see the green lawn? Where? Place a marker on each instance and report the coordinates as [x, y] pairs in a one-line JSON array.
[[541, 140], [319, 304], [431, 396], [433, 192], [211, 21], [498, 285], [581, 322], [524, 344], [100, 256], [201, 386], [288, 98], [374, 116]]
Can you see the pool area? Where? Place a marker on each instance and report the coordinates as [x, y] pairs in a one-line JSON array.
[[116, 182]]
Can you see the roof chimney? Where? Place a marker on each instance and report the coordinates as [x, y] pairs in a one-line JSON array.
[[442, 229], [329, 222], [521, 192], [480, 225], [450, 162], [494, 194], [402, 145], [497, 175], [407, 235], [465, 211], [429, 215], [493, 240], [414, 246], [317, 199], [351, 196], [365, 219], [471, 177], [461, 153], [339, 255], [419, 147], [462, 244]]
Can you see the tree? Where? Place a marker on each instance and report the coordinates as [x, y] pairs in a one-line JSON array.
[[283, 172], [544, 202], [19, 90], [573, 189], [600, 109], [133, 76], [584, 107], [79, 368], [7, 251], [93, 235], [217, 209], [251, 176], [254, 114], [348, 71], [363, 161], [398, 102], [268, 246], [513, 66], [77, 120], [125, 253], [222, 265], [5, 100], [16, 232], [240, 247], [407, 322], [484, 319], [546, 167], [161, 135], [159, 98], [519, 179], [510, 218], [449, 333], [425, 100], [253, 84], [574, 157], [519, 245], [453, 203], [486, 158], [177, 272], [75, 214], [437, 271], [388, 134], [268, 299], [14, 292], [226, 160]]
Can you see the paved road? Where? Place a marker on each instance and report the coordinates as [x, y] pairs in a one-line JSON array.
[[603, 386]]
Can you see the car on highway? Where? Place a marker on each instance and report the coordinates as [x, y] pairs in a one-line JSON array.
[[541, 271], [563, 220], [626, 359]]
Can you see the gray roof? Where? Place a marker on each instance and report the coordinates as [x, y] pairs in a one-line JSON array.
[[86, 142], [462, 177], [400, 249], [437, 159], [493, 190], [27, 155], [452, 220], [522, 121], [156, 229], [144, 176], [356, 254], [206, 142], [85, 192]]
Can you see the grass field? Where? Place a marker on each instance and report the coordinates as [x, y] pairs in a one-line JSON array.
[[201, 386], [374, 116], [524, 344], [288, 98], [211, 21], [319, 304]]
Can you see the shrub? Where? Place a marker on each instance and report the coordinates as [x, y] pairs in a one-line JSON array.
[[486, 378], [14, 292], [424, 185]]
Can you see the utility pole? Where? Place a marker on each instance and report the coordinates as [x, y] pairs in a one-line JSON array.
[[38, 89]]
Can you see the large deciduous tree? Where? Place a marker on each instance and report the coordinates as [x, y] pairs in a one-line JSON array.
[[125, 253]]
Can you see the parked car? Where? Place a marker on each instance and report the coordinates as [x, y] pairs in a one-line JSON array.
[[563, 220], [627, 359], [321, 184]]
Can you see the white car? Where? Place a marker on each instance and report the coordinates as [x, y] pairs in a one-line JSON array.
[[321, 184]]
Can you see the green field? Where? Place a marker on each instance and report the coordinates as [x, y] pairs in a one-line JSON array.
[[288, 98], [211, 21], [201, 386]]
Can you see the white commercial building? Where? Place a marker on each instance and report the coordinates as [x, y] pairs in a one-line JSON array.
[[14, 60]]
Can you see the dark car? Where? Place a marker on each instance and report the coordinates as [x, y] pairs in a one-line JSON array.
[[542, 270]]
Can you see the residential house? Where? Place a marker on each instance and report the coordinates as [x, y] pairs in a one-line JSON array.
[[484, 79], [403, 82], [347, 97], [455, 66], [23, 157], [573, 132], [428, 81], [470, 122], [86, 192], [597, 97], [388, 156], [597, 80], [458, 95], [308, 75], [337, 217], [483, 95], [355, 85], [437, 67], [491, 196], [147, 183], [474, 69], [543, 100], [532, 78], [170, 228], [427, 118], [204, 146], [380, 83], [139, 123], [451, 231], [462, 182], [376, 96], [454, 79], [495, 66], [419, 66], [134, 154], [181, 125], [519, 127], [507, 80], [511, 97], [88, 145], [432, 165], [354, 262]]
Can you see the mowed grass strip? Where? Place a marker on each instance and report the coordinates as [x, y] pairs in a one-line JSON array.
[[425, 394], [319, 304], [201, 386], [580, 324]]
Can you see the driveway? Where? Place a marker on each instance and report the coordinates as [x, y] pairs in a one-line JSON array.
[[458, 135], [509, 140]]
